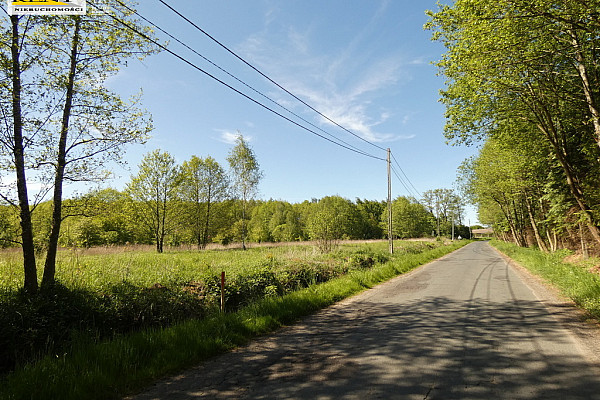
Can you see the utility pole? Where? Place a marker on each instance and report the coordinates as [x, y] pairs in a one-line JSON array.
[[389, 171]]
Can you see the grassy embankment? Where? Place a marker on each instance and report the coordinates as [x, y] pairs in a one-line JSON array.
[[574, 281], [99, 364]]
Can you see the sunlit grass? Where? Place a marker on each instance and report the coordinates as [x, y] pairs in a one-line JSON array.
[[99, 267]]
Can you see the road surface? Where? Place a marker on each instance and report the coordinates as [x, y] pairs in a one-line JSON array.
[[467, 326]]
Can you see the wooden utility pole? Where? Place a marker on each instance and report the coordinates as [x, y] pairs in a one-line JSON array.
[[389, 173]]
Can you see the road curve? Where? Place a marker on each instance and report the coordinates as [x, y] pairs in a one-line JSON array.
[[463, 327]]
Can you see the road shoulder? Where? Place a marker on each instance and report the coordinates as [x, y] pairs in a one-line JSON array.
[[584, 329]]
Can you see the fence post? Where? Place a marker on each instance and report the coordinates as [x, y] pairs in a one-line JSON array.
[[222, 291]]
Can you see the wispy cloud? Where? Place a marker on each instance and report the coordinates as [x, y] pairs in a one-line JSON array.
[[343, 83], [229, 137]]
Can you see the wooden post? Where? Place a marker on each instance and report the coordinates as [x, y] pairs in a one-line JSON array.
[[389, 202], [222, 291], [584, 252]]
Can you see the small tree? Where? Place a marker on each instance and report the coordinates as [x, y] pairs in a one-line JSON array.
[[154, 192], [246, 175], [330, 220], [204, 183]]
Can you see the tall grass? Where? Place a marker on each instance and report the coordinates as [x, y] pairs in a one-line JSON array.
[[574, 281], [110, 368], [99, 267]]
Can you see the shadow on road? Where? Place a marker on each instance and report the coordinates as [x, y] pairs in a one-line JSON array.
[[434, 348]]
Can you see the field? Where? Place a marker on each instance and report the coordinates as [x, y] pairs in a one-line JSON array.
[[98, 268], [172, 301]]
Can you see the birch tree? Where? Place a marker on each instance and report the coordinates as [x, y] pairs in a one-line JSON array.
[[59, 122], [154, 190], [204, 183], [246, 176]]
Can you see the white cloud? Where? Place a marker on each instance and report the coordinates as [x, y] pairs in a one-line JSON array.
[[229, 137], [344, 84]]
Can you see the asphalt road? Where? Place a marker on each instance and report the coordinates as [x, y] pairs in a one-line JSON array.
[[467, 326]]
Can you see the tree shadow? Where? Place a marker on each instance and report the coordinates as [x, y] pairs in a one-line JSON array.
[[433, 348]]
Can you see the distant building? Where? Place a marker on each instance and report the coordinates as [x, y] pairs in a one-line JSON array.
[[483, 233]]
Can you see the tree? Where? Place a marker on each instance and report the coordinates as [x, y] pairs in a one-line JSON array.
[[204, 183], [410, 219], [332, 218], [154, 190], [372, 217], [9, 222], [540, 67], [60, 123], [446, 207], [246, 176], [101, 217], [274, 221]]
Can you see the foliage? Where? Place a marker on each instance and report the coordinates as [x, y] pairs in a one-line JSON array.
[[246, 175], [446, 207], [59, 122], [332, 219], [523, 78], [204, 183], [410, 219], [154, 191]]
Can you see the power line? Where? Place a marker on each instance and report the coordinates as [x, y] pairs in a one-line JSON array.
[[267, 77], [163, 47], [238, 79], [403, 184], [408, 180]]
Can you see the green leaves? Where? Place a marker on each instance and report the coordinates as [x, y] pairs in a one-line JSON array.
[[245, 170], [523, 77], [154, 190], [246, 175]]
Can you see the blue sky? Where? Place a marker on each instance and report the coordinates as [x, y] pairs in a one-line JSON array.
[[366, 64]]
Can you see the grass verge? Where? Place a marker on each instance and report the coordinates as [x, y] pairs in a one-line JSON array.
[[110, 369], [573, 281]]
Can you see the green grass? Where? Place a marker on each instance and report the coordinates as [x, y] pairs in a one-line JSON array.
[[97, 268], [574, 281], [110, 368]]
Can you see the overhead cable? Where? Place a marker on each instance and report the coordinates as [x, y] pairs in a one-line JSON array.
[[403, 184], [408, 180], [267, 77], [163, 47], [238, 79]]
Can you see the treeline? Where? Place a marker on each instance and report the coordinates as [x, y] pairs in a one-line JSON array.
[[200, 202], [108, 217], [524, 80]]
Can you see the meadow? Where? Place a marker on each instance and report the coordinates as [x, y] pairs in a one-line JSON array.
[[121, 317]]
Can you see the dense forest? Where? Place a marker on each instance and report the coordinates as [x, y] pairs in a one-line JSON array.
[[523, 84]]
